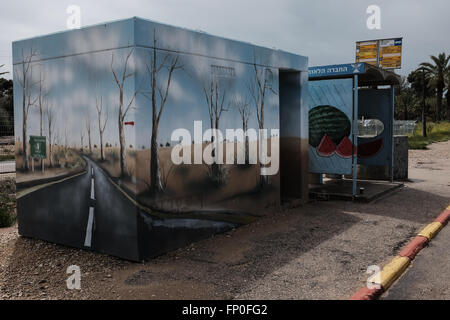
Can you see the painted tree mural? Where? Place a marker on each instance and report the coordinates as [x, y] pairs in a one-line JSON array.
[[120, 80], [259, 87], [25, 79], [51, 118], [216, 96], [101, 125], [82, 139], [88, 129], [242, 105], [41, 100], [158, 97]]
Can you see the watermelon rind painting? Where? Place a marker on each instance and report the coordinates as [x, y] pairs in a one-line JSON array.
[[330, 130]]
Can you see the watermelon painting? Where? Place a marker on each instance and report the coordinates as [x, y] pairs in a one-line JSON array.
[[345, 148], [330, 127], [330, 121], [326, 147], [369, 149]]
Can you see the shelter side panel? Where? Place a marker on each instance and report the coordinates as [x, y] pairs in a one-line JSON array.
[[330, 126], [75, 149]]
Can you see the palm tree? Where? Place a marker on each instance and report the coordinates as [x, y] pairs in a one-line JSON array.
[[1, 73], [420, 80], [404, 99], [438, 70], [447, 96]]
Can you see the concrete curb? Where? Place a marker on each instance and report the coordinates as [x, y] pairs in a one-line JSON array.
[[444, 217], [394, 269], [413, 248]]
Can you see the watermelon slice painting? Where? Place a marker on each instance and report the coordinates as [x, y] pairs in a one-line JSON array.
[[330, 121], [330, 127], [345, 148], [326, 147], [369, 149]]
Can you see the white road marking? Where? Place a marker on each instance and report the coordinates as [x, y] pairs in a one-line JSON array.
[[92, 189], [88, 239], [92, 171], [23, 193]]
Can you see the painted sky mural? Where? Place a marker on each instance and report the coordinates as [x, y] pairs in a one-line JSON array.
[[108, 99]]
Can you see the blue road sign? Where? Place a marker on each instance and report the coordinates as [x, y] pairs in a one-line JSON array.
[[337, 70]]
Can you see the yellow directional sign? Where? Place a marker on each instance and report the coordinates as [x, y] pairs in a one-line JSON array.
[[391, 53], [367, 51], [384, 53]]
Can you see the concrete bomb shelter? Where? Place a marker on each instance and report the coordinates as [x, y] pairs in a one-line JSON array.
[[111, 98], [340, 96]]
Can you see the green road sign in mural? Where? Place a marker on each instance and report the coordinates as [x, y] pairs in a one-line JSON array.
[[38, 147]]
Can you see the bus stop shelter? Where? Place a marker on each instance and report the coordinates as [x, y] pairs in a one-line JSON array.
[[341, 99]]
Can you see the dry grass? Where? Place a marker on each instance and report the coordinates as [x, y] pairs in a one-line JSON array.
[[190, 186], [178, 180], [65, 160]]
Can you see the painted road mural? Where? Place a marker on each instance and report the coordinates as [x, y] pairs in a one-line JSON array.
[[107, 100]]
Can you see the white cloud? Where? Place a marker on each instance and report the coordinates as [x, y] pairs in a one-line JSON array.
[[324, 30]]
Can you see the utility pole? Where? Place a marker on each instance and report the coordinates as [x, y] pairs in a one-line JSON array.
[[424, 116]]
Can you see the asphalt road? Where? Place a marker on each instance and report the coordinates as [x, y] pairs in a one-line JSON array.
[[85, 212], [428, 277], [89, 212]]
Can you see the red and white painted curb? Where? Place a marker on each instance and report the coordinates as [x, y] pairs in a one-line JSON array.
[[395, 269]]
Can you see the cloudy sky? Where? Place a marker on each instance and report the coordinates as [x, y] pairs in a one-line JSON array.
[[323, 30]]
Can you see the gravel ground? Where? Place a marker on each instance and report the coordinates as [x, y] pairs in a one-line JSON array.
[[318, 251]]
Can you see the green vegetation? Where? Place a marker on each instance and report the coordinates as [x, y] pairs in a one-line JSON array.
[[6, 107], [436, 132], [438, 70], [7, 203], [5, 157], [425, 96], [425, 93]]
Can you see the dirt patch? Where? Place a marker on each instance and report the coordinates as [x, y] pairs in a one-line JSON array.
[[33, 269]]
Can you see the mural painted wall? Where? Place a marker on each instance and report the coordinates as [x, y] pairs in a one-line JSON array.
[[376, 150], [330, 130], [109, 100]]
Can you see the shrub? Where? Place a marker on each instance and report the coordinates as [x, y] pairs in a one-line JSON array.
[[7, 203], [7, 216], [113, 155]]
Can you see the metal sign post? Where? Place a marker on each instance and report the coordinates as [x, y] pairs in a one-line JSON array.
[[38, 149], [355, 135], [392, 132]]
